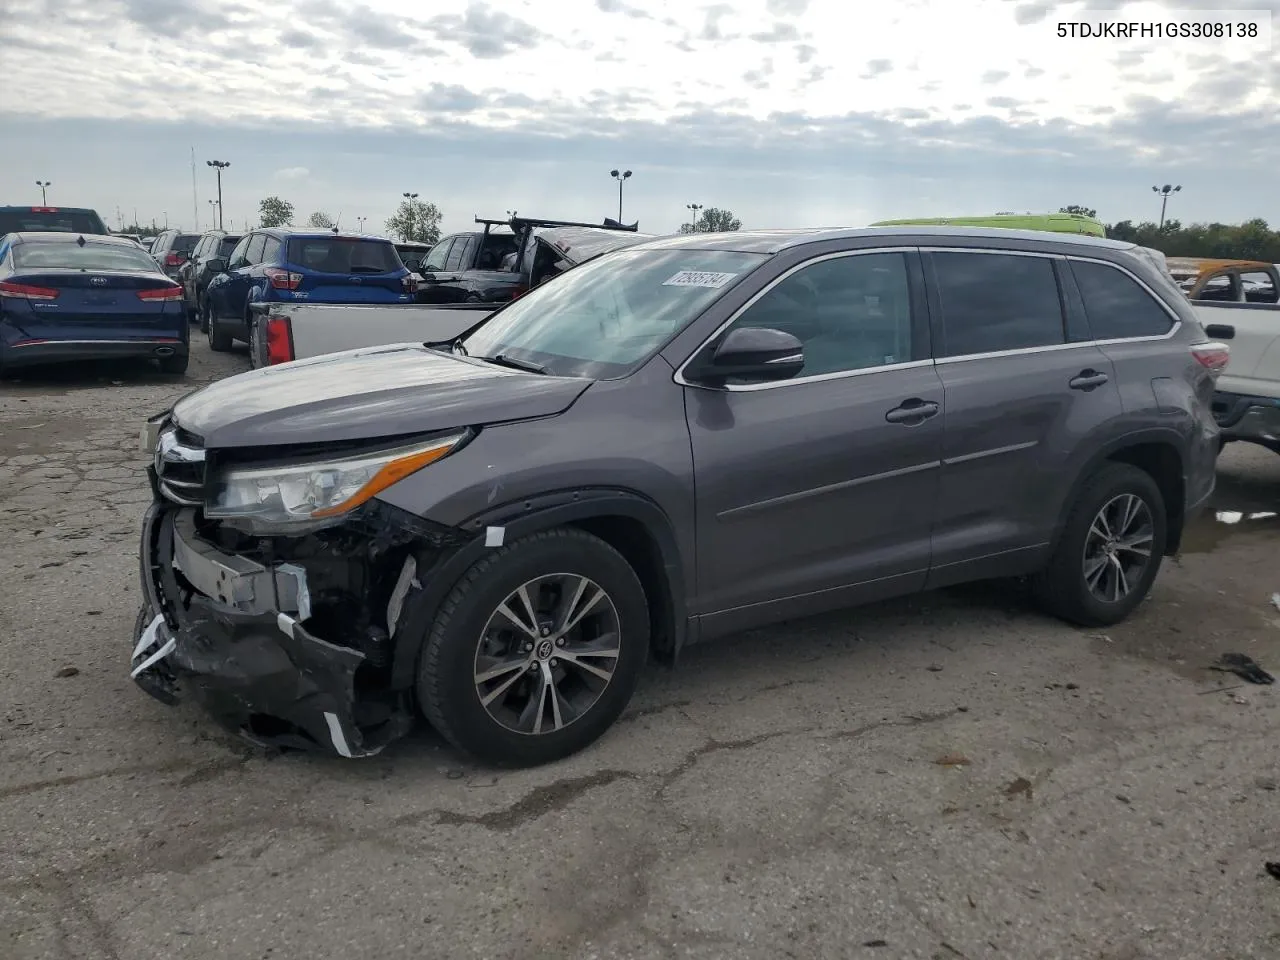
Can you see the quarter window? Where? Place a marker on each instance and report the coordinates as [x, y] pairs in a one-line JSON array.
[[993, 302], [1259, 287], [850, 313], [1117, 305]]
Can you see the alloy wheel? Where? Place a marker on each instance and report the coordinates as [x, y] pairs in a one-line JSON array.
[[1117, 549], [547, 653]]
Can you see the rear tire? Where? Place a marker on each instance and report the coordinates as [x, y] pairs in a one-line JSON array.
[[1098, 574], [175, 365], [525, 723], [219, 340], [204, 316]]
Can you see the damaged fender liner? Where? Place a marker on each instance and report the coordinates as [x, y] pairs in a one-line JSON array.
[[253, 664]]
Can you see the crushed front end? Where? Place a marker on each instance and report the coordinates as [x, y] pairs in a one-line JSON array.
[[287, 638]]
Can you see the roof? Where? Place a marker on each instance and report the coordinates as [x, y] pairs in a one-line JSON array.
[[59, 236], [29, 207], [318, 233], [775, 241]]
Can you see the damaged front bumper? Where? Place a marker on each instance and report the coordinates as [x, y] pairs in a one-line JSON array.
[[241, 633]]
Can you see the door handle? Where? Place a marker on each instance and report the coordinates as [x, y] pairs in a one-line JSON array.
[[912, 412], [1087, 380]]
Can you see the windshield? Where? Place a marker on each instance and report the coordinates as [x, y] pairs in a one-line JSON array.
[[603, 318], [343, 255], [92, 256]]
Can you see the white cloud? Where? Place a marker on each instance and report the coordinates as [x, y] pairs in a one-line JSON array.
[[292, 173]]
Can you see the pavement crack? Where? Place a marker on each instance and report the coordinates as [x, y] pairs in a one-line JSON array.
[[535, 804], [910, 720], [717, 746], [173, 766]]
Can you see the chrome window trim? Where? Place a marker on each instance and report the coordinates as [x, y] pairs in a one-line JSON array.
[[992, 355], [679, 377]]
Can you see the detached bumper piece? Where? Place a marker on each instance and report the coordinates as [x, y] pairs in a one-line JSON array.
[[1242, 417], [227, 630]]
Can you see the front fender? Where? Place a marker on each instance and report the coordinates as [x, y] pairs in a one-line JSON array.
[[512, 521]]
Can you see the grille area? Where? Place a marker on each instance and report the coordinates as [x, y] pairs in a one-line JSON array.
[[180, 468]]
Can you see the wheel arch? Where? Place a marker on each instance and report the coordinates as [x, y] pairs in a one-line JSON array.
[[1159, 454], [629, 522]]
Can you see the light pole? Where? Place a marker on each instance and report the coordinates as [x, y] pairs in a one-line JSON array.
[[44, 186], [696, 208], [360, 221], [408, 213], [219, 166], [1165, 193], [214, 205], [621, 177]]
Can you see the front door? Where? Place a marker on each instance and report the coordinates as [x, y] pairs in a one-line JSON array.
[[819, 491], [1024, 388]]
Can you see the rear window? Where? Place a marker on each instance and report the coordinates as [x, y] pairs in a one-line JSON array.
[[227, 245], [185, 242], [340, 255], [51, 221], [92, 256]]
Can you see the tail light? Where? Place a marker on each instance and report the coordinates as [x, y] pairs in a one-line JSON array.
[[279, 340], [173, 259], [24, 291], [283, 279], [1212, 356], [161, 294], [44, 209], [410, 283]]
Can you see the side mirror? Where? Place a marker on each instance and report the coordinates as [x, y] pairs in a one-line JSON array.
[[760, 353], [1221, 331], [428, 275], [216, 265]]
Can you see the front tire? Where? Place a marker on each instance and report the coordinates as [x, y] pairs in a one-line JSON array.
[[1110, 549], [537, 650]]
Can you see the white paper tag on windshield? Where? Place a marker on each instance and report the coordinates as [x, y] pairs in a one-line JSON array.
[[698, 278]]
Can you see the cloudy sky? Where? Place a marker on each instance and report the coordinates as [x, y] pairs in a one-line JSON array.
[[788, 112]]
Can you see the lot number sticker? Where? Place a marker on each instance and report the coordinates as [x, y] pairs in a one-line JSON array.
[[698, 278]]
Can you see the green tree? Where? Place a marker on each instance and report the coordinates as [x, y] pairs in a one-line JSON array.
[[320, 219], [415, 220], [1079, 211], [713, 220], [1251, 240], [275, 212]]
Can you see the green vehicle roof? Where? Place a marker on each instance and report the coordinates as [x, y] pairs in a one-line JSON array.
[[1051, 222]]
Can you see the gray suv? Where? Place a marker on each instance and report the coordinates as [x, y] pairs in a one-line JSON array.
[[667, 444]]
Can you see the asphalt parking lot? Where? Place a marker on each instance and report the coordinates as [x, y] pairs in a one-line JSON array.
[[778, 795]]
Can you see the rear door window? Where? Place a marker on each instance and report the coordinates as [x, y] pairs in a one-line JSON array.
[[992, 302], [256, 245], [343, 255], [457, 256], [1117, 305], [237, 257], [271, 252]]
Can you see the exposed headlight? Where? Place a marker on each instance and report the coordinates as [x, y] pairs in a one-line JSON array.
[[299, 492]]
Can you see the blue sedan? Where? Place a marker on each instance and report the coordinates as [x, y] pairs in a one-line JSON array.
[[68, 296]]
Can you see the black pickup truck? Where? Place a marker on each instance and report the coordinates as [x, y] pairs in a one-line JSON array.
[[496, 264]]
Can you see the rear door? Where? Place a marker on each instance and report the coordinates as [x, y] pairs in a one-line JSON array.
[[1023, 385], [241, 277], [337, 269]]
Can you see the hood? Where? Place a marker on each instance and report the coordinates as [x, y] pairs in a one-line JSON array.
[[367, 394]]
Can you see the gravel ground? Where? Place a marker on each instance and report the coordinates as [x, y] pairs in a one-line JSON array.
[[778, 795]]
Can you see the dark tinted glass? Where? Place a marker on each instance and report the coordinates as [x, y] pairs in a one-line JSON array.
[[226, 245], [993, 302], [850, 313], [61, 221], [457, 256], [185, 242], [343, 255], [1117, 305]]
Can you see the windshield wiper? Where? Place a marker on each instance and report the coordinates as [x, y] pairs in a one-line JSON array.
[[514, 363]]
